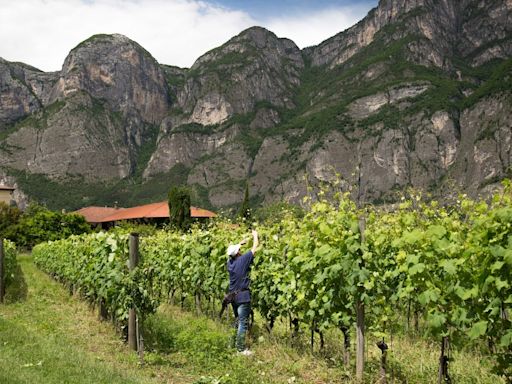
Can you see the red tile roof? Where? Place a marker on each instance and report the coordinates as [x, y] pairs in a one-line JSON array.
[[154, 210], [96, 214]]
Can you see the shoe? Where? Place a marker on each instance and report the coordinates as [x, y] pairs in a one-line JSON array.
[[245, 352]]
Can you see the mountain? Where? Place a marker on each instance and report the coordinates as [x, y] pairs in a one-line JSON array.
[[417, 94]]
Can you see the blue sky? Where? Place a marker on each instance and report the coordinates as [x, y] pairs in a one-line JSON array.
[[176, 32], [266, 8]]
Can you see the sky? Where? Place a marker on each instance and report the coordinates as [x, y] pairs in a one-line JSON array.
[[176, 32]]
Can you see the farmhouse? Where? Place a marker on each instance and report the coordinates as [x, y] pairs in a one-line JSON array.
[[148, 213]]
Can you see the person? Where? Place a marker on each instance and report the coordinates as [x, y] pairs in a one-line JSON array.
[[239, 266]]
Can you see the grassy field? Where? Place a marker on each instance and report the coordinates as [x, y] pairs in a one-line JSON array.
[[48, 336]]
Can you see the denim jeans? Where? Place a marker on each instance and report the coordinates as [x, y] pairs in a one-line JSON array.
[[242, 312]]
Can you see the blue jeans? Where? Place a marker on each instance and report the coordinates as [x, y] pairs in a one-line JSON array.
[[242, 312]]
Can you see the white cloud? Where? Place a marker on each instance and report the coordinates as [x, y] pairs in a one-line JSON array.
[[314, 27], [42, 32]]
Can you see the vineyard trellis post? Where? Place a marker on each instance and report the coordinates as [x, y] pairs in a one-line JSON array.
[[383, 361], [2, 272], [360, 310], [132, 317], [360, 318], [443, 362]]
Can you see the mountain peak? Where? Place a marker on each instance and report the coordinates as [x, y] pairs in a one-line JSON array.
[[114, 67], [252, 41], [101, 38]]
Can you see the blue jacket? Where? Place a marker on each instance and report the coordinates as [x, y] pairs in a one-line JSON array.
[[239, 269]]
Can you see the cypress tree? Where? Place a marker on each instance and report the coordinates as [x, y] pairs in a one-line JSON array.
[[245, 210], [179, 207]]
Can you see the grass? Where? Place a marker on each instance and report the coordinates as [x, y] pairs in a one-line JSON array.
[[49, 336]]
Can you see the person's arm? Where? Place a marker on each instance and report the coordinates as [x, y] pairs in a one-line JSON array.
[[255, 241]]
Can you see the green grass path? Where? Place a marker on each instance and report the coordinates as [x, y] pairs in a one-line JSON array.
[[48, 336]]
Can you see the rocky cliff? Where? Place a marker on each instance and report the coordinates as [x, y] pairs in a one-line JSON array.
[[418, 93], [89, 120]]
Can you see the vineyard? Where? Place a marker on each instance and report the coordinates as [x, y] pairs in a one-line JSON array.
[[442, 270]]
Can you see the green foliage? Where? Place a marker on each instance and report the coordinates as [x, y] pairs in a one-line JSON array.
[[499, 80], [76, 193], [97, 266], [127, 227], [222, 65], [10, 261], [450, 265], [8, 216], [179, 207], [195, 128], [96, 38], [146, 149], [275, 212], [39, 224], [245, 211]]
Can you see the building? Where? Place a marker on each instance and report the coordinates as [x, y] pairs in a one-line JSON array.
[[6, 194], [148, 213], [95, 215]]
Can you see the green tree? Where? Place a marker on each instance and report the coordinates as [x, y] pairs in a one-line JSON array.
[[179, 207], [245, 209], [38, 224], [8, 216]]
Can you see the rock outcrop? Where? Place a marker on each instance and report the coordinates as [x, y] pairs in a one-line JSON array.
[[437, 30], [255, 72], [23, 90], [417, 94]]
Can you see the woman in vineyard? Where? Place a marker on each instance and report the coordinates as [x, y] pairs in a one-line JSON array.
[[239, 266]]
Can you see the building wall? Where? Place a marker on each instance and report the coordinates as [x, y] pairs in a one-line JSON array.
[[6, 196]]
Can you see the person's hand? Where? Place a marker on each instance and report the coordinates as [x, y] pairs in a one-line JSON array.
[[255, 241]]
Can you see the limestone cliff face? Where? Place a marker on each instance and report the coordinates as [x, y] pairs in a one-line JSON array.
[[253, 72], [115, 68], [253, 67], [469, 154], [90, 119], [418, 93], [75, 137], [438, 29], [23, 90]]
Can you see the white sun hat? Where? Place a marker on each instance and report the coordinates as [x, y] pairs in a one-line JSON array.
[[233, 249]]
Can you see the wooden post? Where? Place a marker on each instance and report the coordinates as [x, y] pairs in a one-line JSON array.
[[102, 310], [312, 336], [132, 318], [383, 361], [2, 272], [359, 340], [140, 342], [443, 362], [197, 297], [346, 345], [360, 318]]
